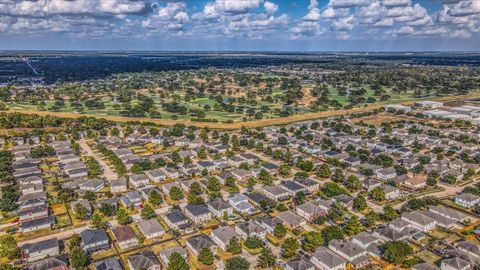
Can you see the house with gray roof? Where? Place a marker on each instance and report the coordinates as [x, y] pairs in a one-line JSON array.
[[36, 251], [138, 180], [111, 263], [419, 221], [291, 219], [300, 264], [151, 228], [467, 200], [197, 243], [221, 236], [58, 262], [310, 211], [198, 213], [156, 175], [365, 239], [455, 263], [250, 229], [269, 222], [350, 251], [166, 253], [131, 199], [325, 259], [94, 185], [218, 207], [176, 219], [144, 261], [449, 213], [119, 185], [93, 240]]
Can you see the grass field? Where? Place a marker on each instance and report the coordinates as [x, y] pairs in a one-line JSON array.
[[237, 125]]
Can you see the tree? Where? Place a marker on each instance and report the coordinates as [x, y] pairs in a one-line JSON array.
[[148, 212], [234, 246], [396, 251], [214, 184], [266, 259], [431, 181], [353, 183], [290, 247], [359, 203], [378, 194], [177, 262], [206, 256], [389, 213], [280, 230], [353, 226], [8, 246], [285, 169], [78, 258], [108, 209], [75, 241], [371, 219], [332, 232], [253, 242], [89, 195], [312, 240], [98, 222], [299, 198], [324, 171], [236, 263], [155, 198], [175, 193], [81, 212], [123, 217]]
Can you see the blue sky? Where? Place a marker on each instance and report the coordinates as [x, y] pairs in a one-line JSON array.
[[268, 25]]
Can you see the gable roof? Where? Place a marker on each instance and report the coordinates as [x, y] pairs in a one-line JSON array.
[[150, 226], [93, 236], [143, 260], [328, 257]]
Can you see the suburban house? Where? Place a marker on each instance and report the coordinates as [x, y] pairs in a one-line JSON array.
[[111, 263], [299, 264], [276, 193], [176, 219], [58, 262], [291, 219], [156, 175], [93, 240], [350, 251], [119, 185], [219, 207], [151, 228], [125, 237], [144, 261], [131, 199], [325, 259], [221, 236], [250, 229], [387, 173], [196, 243], [467, 200], [310, 211], [198, 213], [166, 253], [40, 250], [419, 221], [138, 180]]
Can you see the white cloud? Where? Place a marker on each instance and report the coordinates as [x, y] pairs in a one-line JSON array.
[[270, 7], [393, 3], [348, 3], [343, 24], [236, 6]]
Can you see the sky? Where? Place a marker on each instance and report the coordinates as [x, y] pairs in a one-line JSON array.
[[240, 25]]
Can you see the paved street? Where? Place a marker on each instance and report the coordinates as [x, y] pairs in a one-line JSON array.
[[107, 171]]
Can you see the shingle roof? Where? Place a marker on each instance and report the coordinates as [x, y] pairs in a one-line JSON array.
[[328, 257]]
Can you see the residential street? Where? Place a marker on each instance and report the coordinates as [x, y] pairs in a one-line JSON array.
[[107, 171]]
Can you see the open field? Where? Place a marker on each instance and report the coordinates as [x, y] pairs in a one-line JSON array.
[[237, 125]]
